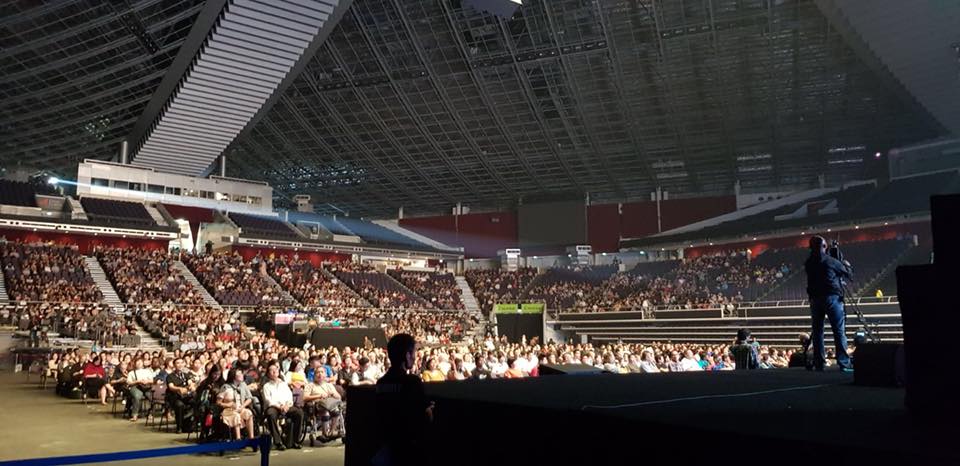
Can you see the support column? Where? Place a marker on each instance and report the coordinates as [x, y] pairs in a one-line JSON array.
[[223, 165]]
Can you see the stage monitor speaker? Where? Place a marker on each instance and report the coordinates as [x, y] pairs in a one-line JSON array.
[[300, 327], [879, 365], [569, 369]]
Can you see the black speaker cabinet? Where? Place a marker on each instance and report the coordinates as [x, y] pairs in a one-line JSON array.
[[879, 365]]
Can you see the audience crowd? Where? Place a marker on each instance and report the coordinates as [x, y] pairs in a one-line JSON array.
[[47, 272], [492, 286], [234, 281], [309, 285], [438, 288], [379, 290], [146, 276]]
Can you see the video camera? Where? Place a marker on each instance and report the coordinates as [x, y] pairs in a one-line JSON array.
[[834, 250]]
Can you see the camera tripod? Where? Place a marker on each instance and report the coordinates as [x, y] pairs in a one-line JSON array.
[[870, 329]]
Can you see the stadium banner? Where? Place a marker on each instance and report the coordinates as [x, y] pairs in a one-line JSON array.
[[525, 308]]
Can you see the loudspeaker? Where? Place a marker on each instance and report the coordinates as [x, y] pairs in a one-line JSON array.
[[569, 369], [879, 365]]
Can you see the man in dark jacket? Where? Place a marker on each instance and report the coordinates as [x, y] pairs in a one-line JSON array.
[[825, 276]]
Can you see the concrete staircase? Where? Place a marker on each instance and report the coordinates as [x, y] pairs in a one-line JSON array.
[[147, 342], [466, 295], [4, 297], [110, 296], [287, 297], [208, 299], [156, 215]]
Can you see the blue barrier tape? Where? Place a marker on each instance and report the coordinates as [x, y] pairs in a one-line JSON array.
[[136, 454]]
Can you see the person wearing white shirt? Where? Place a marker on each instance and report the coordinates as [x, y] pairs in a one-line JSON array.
[[139, 380], [279, 400], [689, 363]]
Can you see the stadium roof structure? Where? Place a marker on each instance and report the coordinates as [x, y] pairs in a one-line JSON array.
[[424, 104]]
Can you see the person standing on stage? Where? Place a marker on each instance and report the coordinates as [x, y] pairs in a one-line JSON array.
[[825, 276]]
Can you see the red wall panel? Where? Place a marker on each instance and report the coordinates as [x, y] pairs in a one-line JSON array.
[[85, 243], [481, 235], [638, 219], [194, 215], [603, 227], [676, 213], [315, 257]]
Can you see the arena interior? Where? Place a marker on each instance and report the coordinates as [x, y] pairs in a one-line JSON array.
[[196, 194]]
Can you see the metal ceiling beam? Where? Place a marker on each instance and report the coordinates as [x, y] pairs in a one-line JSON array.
[[488, 102], [625, 108], [358, 145], [524, 83], [449, 107], [411, 112], [371, 111], [574, 87]]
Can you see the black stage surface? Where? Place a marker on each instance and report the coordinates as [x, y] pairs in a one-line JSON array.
[[776, 417]]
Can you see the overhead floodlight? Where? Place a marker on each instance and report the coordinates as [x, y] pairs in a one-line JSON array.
[[53, 180]]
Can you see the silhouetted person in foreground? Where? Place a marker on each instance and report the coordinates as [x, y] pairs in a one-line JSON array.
[[403, 411]]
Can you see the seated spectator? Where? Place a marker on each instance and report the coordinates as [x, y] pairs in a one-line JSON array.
[[279, 404], [95, 379], [146, 276], [235, 399], [323, 400]]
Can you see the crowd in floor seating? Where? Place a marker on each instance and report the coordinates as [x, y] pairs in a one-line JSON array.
[[439, 289], [309, 285], [492, 286], [428, 326], [47, 272], [376, 288], [188, 327], [229, 390], [82, 321], [146, 276], [235, 281]]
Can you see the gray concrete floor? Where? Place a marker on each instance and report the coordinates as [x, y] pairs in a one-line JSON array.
[[36, 423]]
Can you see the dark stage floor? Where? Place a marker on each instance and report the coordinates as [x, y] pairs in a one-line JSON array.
[[776, 409]]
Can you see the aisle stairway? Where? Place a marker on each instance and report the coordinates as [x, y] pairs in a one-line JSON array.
[[466, 295], [4, 297], [156, 215], [208, 299], [110, 296]]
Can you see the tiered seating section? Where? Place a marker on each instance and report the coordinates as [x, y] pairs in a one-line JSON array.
[[146, 276], [310, 285], [439, 289], [233, 281], [369, 232], [499, 286], [17, 193], [377, 288], [267, 227], [47, 272], [567, 287], [119, 213]]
